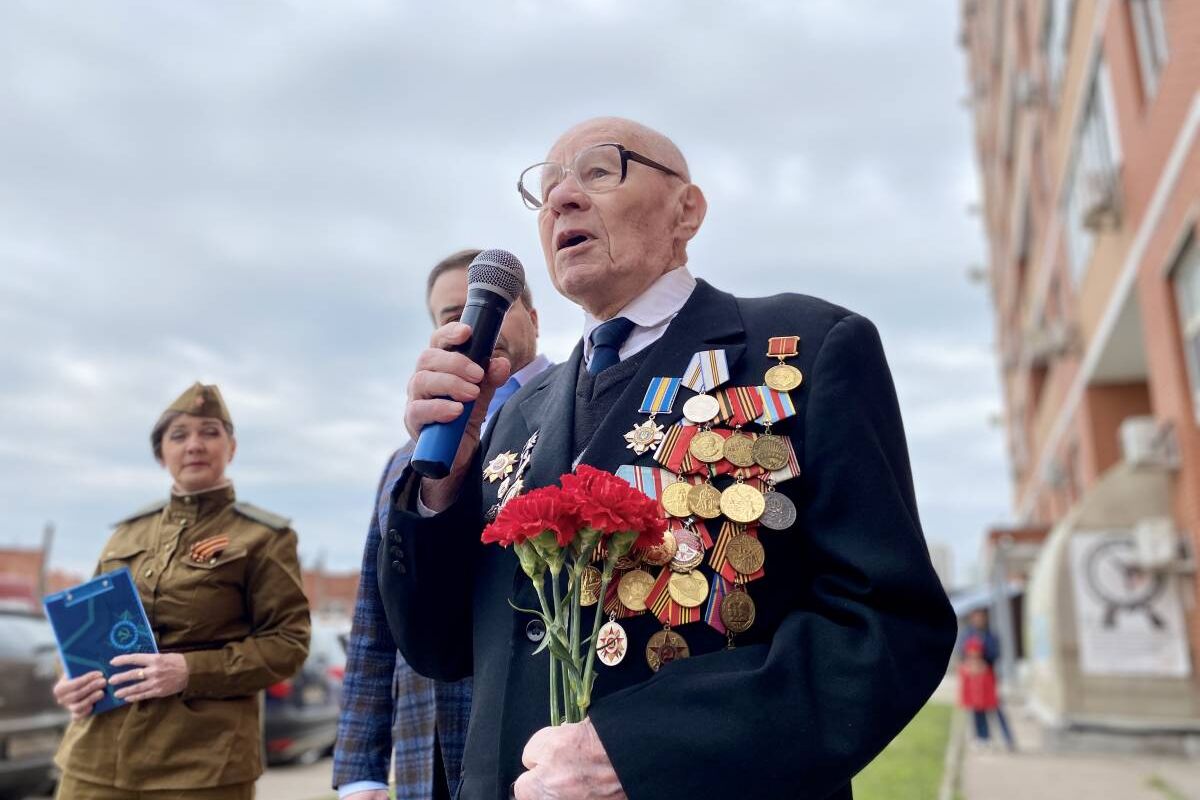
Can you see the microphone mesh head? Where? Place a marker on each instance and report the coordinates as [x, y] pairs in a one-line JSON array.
[[497, 271]]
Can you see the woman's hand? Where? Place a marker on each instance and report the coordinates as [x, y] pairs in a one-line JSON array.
[[78, 695], [153, 675]]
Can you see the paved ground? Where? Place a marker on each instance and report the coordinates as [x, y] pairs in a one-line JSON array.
[[291, 783], [1032, 774]]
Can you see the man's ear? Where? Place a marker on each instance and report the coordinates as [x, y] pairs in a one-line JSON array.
[[533, 315], [692, 208]]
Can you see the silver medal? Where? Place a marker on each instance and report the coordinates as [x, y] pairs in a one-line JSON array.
[[780, 512]]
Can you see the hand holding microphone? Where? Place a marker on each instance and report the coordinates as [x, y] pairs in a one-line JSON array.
[[457, 376]]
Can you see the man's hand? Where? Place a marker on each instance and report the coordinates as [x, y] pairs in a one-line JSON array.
[[153, 675], [78, 695], [567, 763], [443, 383]]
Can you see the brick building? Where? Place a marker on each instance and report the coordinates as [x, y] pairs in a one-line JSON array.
[[1087, 136]]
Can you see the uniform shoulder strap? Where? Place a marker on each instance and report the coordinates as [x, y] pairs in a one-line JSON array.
[[153, 508], [261, 515]]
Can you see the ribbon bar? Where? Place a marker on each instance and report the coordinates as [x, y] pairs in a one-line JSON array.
[[660, 396], [707, 370]]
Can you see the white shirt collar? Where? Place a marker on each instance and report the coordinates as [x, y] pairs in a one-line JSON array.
[[532, 369], [650, 312]]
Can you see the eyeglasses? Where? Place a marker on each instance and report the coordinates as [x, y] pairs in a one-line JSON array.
[[599, 168]]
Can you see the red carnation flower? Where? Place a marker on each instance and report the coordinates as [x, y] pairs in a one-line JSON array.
[[532, 514], [606, 503]]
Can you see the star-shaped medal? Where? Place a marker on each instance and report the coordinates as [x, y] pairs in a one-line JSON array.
[[499, 467], [644, 436]]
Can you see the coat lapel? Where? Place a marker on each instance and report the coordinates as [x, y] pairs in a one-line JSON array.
[[551, 411]]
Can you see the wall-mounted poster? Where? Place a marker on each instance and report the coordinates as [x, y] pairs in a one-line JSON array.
[[1130, 619]]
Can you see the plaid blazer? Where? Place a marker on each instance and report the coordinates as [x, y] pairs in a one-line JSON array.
[[384, 702]]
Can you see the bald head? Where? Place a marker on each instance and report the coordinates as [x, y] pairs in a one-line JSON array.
[[633, 135], [604, 247]]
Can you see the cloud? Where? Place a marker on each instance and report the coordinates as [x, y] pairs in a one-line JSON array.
[[251, 194]]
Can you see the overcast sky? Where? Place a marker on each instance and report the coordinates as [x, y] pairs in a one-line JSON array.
[[251, 194]]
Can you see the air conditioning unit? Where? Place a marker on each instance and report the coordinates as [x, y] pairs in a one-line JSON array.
[[1157, 542], [1147, 443], [1103, 210]]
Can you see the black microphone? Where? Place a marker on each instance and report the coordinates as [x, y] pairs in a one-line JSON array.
[[494, 280]]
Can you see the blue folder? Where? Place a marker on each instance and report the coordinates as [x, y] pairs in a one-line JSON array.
[[96, 621]]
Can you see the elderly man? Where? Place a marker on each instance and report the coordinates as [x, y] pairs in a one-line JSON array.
[[850, 630], [382, 694]]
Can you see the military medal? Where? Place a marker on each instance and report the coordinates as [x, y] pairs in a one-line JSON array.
[[634, 587], [779, 512], [739, 449], [783, 377], [706, 371], [631, 560], [737, 611], [589, 586], [647, 480], [745, 554], [664, 647], [500, 467], [689, 550], [707, 446], [688, 589], [705, 501], [611, 643], [770, 452], [675, 499], [742, 503], [659, 398], [662, 553]]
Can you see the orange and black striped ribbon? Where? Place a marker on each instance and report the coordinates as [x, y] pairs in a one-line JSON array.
[[209, 548], [739, 405], [612, 601]]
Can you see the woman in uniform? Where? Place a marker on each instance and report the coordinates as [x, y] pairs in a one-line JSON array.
[[220, 581]]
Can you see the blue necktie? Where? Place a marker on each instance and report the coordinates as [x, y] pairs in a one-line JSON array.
[[502, 394], [607, 339]]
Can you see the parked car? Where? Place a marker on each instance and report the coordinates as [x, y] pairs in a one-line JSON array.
[[31, 723], [302, 713]]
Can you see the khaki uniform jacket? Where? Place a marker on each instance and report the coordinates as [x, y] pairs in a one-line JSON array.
[[240, 617]]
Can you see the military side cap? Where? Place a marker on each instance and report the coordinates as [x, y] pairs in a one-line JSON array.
[[202, 401]]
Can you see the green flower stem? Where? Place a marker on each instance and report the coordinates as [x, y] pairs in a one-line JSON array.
[[555, 713], [566, 679], [576, 624], [585, 694]]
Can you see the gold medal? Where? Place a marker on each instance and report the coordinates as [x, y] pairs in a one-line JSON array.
[[770, 452], [644, 436], [739, 450], [737, 611], [707, 446], [499, 467], [633, 588], [589, 586], [663, 553], [746, 554], [611, 643], [665, 647], [704, 500], [629, 561], [675, 499], [783, 377], [701, 409], [689, 551], [742, 503], [688, 589]]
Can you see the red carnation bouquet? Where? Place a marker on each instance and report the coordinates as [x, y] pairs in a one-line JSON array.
[[593, 517]]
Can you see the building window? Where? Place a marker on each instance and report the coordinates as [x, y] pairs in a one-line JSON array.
[[1187, 295], [1093, 196], [1150, 35]]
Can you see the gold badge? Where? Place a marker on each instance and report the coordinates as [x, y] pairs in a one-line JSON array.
[[737, 611], [633, 589], [739, 450], [745, 554], [707, 446], [675, 499], [665, 647], [705, 501], [742, 503], [783, 377], [663, 552], [589, 586], [500, 467], [770, 452], [688, 589]]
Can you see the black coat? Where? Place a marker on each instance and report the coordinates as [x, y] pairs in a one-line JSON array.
[[853, 629]]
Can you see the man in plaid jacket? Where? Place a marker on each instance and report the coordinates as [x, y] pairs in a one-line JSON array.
[[386, 705]]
